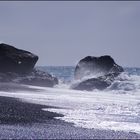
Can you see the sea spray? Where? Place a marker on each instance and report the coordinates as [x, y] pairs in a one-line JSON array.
[[114, 108]]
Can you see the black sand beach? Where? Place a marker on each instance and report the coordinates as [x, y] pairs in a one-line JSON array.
[[21, 120]]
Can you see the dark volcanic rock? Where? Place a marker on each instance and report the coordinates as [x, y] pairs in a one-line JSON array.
[[93, 83], [17, 66], [16, 60], [103, 69], [100, 83], [97, 66], [35, 78], [38, 78]]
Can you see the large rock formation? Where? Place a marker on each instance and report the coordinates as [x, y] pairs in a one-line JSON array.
[[16, 60], [17, 66], [96, 66], [96, 72]]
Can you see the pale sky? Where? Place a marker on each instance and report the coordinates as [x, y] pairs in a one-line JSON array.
[[62, 33]]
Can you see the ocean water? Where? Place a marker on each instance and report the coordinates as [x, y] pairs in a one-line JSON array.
[[116, 108]]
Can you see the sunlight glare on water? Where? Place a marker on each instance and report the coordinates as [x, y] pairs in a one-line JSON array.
[[116, 108]]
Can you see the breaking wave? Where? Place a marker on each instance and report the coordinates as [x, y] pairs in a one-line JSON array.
[[116, 108]]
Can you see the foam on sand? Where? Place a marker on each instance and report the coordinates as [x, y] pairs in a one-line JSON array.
[[109, 109]]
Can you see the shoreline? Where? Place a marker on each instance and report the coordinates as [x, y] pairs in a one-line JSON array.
[[22, 120]]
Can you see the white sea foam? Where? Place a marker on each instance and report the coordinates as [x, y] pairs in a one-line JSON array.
[[114, 109], [125, 83], [96, 109]]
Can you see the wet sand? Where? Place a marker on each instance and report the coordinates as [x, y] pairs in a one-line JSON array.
[[22, 120]]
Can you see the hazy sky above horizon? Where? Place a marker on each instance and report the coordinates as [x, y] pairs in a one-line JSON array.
[[62, 33]]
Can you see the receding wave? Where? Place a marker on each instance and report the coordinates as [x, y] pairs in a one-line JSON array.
[[116, 108]]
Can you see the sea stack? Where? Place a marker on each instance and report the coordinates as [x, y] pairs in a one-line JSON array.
[[96, 72], [17, 66]]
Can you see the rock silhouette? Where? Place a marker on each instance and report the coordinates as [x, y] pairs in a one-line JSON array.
[[18, 66], [16, 60], [96, 72]]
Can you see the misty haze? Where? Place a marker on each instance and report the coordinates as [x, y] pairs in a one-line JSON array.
[[69, 70]]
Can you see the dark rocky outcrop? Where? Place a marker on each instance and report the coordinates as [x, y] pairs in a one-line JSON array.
[[38, 78], [17, 66], [100, 72], [96, 66], [16, 60], [101, 82]]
